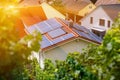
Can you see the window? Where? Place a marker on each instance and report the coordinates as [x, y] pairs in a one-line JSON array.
[[102, 22], [108, 23], [91, 20]]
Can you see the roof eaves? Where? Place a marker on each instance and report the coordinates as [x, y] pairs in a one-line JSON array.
[[58, 44]]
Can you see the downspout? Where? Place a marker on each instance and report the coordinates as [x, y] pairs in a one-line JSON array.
[[41, 59]]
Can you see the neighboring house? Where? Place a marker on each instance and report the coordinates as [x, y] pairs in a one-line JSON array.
[[61, 37], [105, 2], [101, 18], [76, 9]]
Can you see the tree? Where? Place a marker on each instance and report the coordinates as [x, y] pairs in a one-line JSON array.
[[13, 50], [111, 49]]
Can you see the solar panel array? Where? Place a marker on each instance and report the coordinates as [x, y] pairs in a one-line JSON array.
[[54, 30], [86, 33]]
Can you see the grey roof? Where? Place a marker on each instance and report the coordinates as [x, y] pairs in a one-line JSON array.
[[74, 6], [112, 10]]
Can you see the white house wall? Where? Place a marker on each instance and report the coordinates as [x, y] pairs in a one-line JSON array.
[[97, 14], [60, 53]]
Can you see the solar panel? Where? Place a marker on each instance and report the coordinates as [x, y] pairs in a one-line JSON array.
[[56, 40], [31, 29], [43, 27], [95, 37], [45, 42], [53, 23], [81, 28], [67, 36], [88, 35], [57, 32]]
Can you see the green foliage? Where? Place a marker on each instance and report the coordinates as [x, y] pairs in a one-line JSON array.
[[111, 49], [36, 73], [70, 69]]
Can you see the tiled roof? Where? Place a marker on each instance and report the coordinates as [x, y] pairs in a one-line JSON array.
[[105, 2], [74, 6], [20, 28], [55, 31], [112, 10]]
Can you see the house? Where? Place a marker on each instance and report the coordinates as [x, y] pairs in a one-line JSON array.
[[101, 18], [76, 9], [60, 37], [105, 2]]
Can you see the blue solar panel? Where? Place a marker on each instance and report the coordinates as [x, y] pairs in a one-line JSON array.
[[56, 40], [88, 35], [45, 42], [67, 36], [95, 37], [57, 32], [44, 27], [53, 23], [81, 28], [31, 29]]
